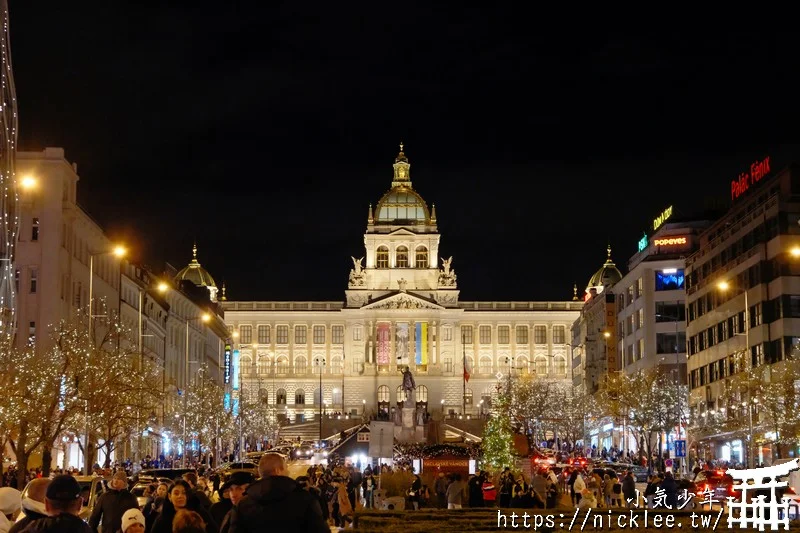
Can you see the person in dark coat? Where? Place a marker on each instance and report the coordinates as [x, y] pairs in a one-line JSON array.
[[629, 490], [276, 503], [670, 488], [112, 504], [221, 508], [475, 486], [181, 496], [33, 504], [63, 503], [191, 479], [236, 486]]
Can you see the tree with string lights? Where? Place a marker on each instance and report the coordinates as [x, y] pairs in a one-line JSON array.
[[497, 443]]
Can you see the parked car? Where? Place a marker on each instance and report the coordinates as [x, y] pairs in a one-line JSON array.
[[171, 474], [717, 481], [91, 488]]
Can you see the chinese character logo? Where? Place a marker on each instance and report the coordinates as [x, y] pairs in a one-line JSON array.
[[758, 504]]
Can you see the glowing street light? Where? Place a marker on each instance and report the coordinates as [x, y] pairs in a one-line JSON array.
[[27, 183]]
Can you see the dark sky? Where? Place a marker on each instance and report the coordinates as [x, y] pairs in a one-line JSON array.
[[264, 132]]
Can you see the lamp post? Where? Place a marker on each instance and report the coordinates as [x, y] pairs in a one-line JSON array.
[[724, 286], [677, 383], [320, 369], [205, 317], [118, 251]]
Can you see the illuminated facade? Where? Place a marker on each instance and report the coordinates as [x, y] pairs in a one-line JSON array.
[[401, 309], [748, 326]]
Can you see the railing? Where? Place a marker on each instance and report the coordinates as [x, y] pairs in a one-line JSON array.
[[282, 306], [521, 306]]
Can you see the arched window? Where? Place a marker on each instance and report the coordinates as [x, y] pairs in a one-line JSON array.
[[541, 366], [504, 364], [299, 397], [280, 397], [487, 395], [319, 365], [263, 396], [401, 394], [382, 257], [264, 365], [485, 365], [470, 364], [522, 364], [246, 364], [282, 365], [336, 365], [337, 397], [468, 396], [559, 365], [421, 394], [383, 394], [401, 257], [300, 366], [422, 257], [317, 398]]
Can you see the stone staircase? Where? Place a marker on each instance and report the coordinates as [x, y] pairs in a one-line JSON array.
[[310, 430]]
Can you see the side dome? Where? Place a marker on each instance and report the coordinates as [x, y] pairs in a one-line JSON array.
[[402, 205], [607, 275], [195, 273]]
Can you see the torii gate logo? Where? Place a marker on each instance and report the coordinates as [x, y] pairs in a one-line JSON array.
[[760, 511]]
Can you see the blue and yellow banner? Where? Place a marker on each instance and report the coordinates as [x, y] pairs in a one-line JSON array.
[[422, 343]]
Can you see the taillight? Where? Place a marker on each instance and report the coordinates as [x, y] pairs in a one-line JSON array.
[[789, 490]]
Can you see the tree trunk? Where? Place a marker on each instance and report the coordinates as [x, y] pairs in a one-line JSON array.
[[109, 448], [47, 459], [21, 453]]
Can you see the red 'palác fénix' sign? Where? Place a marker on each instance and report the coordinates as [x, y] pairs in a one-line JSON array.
[[758, 170]]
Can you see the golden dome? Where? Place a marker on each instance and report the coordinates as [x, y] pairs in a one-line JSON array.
[[195, 273], [608, 274]]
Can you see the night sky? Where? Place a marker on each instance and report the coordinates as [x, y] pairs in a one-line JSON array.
[[265, 132]]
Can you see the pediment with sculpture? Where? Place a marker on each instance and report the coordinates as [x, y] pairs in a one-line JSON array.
[[402, 300]]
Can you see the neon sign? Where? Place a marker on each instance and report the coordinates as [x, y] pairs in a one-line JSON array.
[[643, 242], [227, 363], [758, 170], [670, 241], [660, 219]]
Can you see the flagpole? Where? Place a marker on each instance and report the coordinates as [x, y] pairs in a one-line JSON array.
[[464, 377]]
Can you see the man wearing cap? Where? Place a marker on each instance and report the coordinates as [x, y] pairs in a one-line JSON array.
[[236, 486], [133, 521], [63, 503], [112, 504]]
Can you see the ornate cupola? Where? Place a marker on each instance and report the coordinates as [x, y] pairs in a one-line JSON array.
[[402, 170]]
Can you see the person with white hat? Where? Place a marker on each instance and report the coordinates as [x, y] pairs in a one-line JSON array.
[[10, 504], [133, 521]]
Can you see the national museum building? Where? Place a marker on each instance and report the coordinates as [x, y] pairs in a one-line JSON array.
[[401, 309]]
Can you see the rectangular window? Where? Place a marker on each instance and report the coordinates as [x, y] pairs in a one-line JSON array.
[[486, 334], [448, 364], [639, 287], [34, 280], [466, 334], [447, 333], [35, 229], [31, 333], [503, 335], [559, 335], [357, 333], [540, 334], [319, 334], [337, 335], [670, 279], [639, 349], [282, 335], [300, 334], [670, 312], [522, 334], [667, 343], [263, 334], [245, 334], [640, 319]]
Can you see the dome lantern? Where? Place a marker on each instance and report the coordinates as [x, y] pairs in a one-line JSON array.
[[606, 276]]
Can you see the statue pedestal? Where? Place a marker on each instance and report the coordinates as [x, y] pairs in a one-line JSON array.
[[407, 430]]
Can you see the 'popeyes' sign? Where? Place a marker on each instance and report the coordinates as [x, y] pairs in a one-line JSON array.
[[758, 170]]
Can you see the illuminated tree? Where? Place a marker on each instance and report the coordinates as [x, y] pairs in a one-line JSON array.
[[204, 407], [497, 444], [530, 402]]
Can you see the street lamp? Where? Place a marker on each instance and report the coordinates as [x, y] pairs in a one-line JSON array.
[[118, 251], [677, 384], [749, 405], [205, 317], [320, 369], [724, 286]]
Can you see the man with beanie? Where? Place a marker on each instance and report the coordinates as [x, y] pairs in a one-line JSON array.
[[112, 504], [10, 504], [63, 504], [133, 521], [32, 504]]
